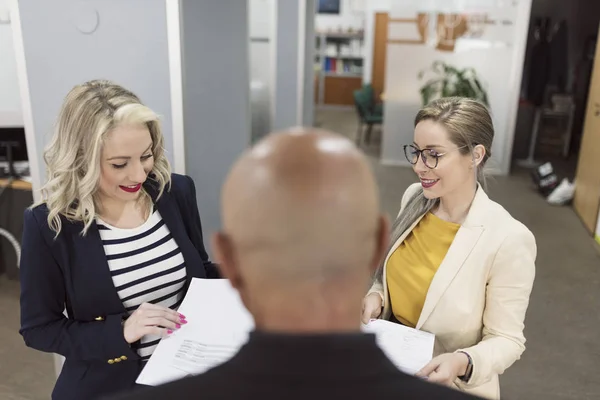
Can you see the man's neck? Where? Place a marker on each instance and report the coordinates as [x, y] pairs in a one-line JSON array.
[[308, 326], [304, 317]]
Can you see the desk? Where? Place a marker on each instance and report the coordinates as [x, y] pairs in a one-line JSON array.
[[18, 184], [13, 202]]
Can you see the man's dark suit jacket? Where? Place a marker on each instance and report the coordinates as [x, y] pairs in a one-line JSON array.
[[274, 366], [71, 272]]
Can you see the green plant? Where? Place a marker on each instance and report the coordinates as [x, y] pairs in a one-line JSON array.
[[451, 81]]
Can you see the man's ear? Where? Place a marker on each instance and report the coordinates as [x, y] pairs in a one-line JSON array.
[[225, 256], [382, 243]]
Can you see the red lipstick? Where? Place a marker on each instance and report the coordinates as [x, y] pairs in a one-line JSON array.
[[131, 189]]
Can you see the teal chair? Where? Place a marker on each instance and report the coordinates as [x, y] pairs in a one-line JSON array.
[[369, 113]]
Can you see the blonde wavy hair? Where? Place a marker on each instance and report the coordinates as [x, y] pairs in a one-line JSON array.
[[89, 112]]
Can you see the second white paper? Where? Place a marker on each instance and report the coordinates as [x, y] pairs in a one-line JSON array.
[[409, 349]]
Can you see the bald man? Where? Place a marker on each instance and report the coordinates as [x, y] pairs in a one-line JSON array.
[[302, 236]]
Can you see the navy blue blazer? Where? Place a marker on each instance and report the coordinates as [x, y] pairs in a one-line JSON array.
[[71, 272]]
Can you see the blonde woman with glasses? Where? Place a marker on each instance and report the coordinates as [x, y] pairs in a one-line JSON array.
[[459, 266], [114, 242]]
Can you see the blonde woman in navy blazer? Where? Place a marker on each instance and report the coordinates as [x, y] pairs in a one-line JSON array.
[[115, 243]]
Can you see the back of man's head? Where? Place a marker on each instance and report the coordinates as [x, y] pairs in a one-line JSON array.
[[302, 232]]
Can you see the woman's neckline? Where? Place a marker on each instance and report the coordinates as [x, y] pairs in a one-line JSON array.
[[148, 220]]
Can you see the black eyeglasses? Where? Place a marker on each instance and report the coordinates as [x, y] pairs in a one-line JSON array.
[[430, 157]]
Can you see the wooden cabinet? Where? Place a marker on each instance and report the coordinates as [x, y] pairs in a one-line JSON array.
[[339, 90], [587, 180], [340, 67]]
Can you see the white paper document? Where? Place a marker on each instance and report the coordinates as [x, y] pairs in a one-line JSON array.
[[218, 325], [409, 349]]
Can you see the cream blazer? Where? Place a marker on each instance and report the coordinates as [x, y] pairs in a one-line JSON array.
[[478, 298]]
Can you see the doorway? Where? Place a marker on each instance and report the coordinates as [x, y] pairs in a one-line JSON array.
[[560, 56]]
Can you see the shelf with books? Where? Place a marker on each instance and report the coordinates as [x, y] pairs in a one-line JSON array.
[[339, 56], [344, 74]]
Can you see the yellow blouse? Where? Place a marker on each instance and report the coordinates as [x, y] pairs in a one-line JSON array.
[[411, 267]]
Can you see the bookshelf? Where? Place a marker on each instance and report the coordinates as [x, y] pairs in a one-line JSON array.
[[339, 64]]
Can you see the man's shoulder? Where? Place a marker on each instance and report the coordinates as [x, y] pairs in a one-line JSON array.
[[209, 384], [416, 388], [225, 383]]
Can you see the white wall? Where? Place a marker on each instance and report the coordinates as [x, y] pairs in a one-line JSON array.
[[260, 14], [260, 27], [351, 16], [499, 67], [60, 49], [10, 100]]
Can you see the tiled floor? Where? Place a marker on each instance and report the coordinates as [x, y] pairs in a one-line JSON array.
[[562, 360], [25, 374]]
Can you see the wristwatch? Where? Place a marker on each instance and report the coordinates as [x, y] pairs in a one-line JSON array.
[[382, 300], [469, 370]]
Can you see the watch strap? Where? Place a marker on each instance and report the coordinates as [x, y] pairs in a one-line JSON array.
[[469, 370]]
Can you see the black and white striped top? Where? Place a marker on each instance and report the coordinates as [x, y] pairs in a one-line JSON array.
[[146, 266]]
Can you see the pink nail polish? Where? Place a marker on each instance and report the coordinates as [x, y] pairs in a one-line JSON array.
[[177, 326], [169, 331], [183, 321], [181, 316]]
